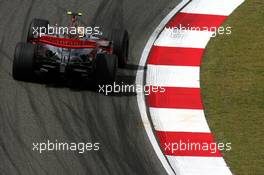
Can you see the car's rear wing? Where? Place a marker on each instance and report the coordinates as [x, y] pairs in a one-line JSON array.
[[66, 42]]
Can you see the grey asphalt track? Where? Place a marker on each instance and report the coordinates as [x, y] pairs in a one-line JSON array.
[[31, 112]]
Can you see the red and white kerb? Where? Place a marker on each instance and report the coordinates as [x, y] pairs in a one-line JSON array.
[[174, 64]]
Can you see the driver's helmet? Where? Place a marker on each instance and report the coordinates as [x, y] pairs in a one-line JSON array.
[[79, 28]]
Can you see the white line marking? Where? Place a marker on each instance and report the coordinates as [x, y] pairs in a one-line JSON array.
[[201, 165], [179, 120], [173, 76], [183, 38]]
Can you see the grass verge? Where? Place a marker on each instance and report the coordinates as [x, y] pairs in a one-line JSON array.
[[232, 79]]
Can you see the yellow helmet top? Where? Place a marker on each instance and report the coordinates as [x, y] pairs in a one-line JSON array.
[[71, 13]]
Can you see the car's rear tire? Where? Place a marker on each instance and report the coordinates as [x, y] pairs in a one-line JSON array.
[[120, 40], [23, 64], [106, 68], [37, 24]]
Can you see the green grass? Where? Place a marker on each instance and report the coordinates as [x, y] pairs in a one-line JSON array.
[[232, 79]]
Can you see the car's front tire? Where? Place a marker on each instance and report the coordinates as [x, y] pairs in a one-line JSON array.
[[23, 63], [120, 40], [106, 68]]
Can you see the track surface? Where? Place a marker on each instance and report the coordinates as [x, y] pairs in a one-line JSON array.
[[35, 112]]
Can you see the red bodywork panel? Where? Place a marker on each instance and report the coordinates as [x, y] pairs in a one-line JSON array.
[[66, 42]]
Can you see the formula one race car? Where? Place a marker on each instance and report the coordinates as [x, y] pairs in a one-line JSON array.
[[71, 56]]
